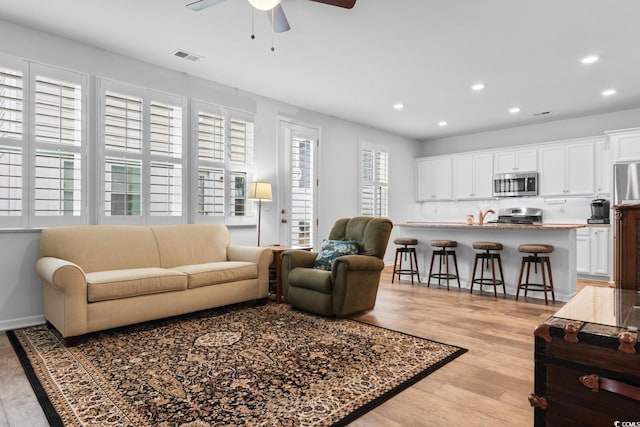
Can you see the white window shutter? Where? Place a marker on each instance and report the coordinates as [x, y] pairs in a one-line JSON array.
[[122, 122], [11, 104], [11, 150]]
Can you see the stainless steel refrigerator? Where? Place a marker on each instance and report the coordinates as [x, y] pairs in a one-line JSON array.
[[626, 183]]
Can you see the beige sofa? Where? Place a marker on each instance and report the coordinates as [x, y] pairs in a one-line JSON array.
[[97, 277]]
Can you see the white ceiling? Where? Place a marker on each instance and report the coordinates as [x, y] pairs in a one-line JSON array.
[[354, 64]]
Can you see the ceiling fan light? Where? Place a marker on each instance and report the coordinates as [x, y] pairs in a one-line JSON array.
[[264, 4]]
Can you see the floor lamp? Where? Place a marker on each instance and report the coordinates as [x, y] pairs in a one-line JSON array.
[[260, 191]]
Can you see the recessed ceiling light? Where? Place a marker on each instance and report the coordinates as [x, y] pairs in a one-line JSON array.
[[442, 123], [477, 87], [514, 110], [609, 92], [589, 59], [398, 106]]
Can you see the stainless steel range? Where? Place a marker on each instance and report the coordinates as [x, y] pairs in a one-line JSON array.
[[519, 216]]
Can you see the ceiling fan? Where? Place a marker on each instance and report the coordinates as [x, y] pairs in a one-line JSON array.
[[273, 8]]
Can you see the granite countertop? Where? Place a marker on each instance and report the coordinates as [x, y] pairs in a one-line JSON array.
[[503, 226]]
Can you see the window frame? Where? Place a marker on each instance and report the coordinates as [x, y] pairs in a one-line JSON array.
[[81, 150], [144, 156], [229, 168], [69, 195], [29, 147], [378, 211], [22, 144]]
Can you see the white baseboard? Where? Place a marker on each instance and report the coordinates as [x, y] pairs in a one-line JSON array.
[[22, 322]]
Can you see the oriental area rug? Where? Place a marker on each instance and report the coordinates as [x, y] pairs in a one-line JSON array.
[[244, 365]]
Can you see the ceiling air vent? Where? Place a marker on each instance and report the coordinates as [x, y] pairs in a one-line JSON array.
[[186, 55], [543, 113]]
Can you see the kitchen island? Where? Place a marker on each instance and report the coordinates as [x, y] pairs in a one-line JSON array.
[[561, 236]]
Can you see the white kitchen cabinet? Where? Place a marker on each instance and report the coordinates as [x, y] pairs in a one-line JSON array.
[[600, 250], [472, 176], [625, 145], [433, 179], [593, 255], [525, 160], [567, 170], [604, 167], [583, 250]]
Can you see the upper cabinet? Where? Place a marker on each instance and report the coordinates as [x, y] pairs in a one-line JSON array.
[[433, 179], [604, 167], [567, 169], [578, 167], [472, 176], [508, 161], [625, 145]]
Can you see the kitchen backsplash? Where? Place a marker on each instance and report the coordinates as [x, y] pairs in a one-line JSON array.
[[556, 209]]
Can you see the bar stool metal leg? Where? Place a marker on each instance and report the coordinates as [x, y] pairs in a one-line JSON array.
[[546, 276], [433, 257], [401, 255], [488, 257], [443, 249]]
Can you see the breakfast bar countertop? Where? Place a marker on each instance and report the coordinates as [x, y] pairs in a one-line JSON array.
[[563, 237], [491, 225]]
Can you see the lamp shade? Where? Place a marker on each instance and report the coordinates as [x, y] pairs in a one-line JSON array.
[[260, 190], [264, 4]]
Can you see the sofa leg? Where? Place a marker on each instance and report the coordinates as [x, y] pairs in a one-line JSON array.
[[261, 301]]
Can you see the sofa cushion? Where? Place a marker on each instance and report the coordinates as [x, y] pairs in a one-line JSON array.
[[101, 247], [116, 284], [218, 272], [311, 278], [190, 244]]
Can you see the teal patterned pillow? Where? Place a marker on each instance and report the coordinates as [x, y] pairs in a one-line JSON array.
[[332, 249]]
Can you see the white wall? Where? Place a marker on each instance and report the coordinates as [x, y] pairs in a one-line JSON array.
[[547, 131], [20, 290]]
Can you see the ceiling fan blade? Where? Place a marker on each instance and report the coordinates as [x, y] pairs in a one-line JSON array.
[[347, 4], [278, 19], [202, 4]]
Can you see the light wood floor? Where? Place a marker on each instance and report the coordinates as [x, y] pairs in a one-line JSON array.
[[487, 386]]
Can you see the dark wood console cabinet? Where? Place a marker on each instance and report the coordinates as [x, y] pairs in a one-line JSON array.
[[587, 361], [626, 248]]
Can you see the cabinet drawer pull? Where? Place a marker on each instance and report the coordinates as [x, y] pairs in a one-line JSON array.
[[596, 383], [627, 342], [571, 333], [537, 401]]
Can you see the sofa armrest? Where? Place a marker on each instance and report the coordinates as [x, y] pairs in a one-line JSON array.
[[356, 263], [63, 275], [355, 283], [263, 257], [254, 254], [294, 258], [64, 295]]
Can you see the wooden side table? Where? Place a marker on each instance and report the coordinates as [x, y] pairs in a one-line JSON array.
[[277, 260]]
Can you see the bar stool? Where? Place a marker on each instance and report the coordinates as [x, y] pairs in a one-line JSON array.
[[489, 254], [533, 250], [443, 253], [403, 251]]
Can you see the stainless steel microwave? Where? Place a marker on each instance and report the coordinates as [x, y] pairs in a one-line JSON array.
[[515, 184]]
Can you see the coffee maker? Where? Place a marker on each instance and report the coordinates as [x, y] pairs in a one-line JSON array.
[[599, 212]]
